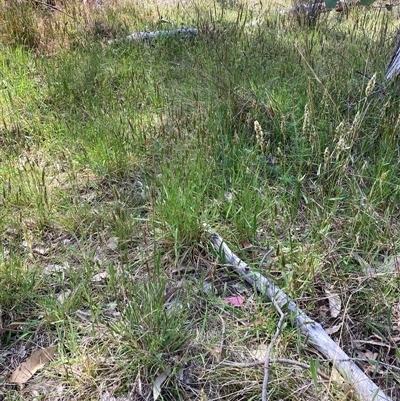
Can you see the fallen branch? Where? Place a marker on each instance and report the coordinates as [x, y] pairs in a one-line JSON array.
[[364, 388], [150, 36]]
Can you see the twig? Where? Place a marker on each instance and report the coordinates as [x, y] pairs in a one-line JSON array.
[[274, 360], [268, 253], [223, 338], [53, 8], [268, 353], [164, 21]]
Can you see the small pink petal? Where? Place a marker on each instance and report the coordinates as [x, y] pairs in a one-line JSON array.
[[235, 301]]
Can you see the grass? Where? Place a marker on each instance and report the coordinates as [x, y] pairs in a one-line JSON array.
[[116, 158]]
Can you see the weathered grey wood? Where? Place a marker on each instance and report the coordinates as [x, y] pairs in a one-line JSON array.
[[149, 36], [394, 64], [363, 387]]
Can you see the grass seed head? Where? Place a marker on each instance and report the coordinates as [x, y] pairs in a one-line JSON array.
[[259, 134], [371, 85]]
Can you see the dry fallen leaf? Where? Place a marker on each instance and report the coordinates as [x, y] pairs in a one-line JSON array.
[[112, 243], [209, 288], [55, 268], [62, 296], [246, 244], [391, 265], [333, 329], [396, 317], [41, 251], [235, 301], [203, 396], [371, 355], [228, 196], [159, 381], [35, 362], [107, 396], [84, 315], [100, 277], [335, 304], [16, 325], [259, 353]]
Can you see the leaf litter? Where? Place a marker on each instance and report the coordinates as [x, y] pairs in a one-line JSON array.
[[158, 382], [35, 362], [335, 304]]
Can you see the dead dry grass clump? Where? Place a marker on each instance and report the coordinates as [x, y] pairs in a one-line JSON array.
[[21, 24], [49, 27]]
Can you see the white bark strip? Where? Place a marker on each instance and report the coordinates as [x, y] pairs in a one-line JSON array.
[[394, 64], [364, 388]]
